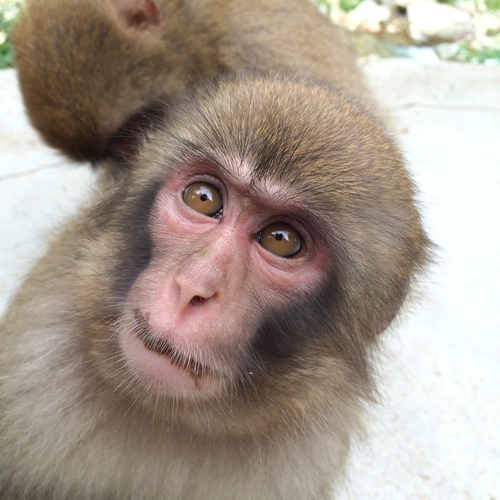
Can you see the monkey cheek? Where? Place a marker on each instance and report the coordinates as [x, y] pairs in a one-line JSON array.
[[162, 375]]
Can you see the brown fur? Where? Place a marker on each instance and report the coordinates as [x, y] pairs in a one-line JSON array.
[[74, 421], [67, 70]]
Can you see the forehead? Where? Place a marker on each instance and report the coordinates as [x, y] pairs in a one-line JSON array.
[[242, 173], [247, 177], [292, 172]]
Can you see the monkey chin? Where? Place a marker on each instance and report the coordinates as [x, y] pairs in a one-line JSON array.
[[165, 372]]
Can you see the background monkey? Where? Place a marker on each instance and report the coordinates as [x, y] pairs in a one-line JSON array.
[[128, 53], [204, 328]]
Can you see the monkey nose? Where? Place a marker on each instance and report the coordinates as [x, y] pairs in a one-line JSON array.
[[198, 285], [196, 294], [197, 300]]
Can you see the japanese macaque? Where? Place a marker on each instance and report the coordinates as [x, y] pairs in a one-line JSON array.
[[205, 328]]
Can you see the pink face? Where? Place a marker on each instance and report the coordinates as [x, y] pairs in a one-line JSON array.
[[225, 251]]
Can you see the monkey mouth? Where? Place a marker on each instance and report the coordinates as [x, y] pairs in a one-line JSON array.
[[162, 347]]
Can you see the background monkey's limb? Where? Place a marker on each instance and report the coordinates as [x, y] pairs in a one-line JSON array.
[[92, 71]]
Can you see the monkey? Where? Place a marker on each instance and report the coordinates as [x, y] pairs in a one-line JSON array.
[[169, 45], [206, 326]]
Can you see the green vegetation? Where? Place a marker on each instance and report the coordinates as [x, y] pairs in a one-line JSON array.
[[347, 5], [492, 5], [466, 54], [9, 10]]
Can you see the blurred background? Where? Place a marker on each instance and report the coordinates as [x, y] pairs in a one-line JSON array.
[[435, 67]]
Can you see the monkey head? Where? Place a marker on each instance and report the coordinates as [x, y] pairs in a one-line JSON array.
[[258, 244]]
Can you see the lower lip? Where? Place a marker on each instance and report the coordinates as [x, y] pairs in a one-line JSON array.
[[158, 372]]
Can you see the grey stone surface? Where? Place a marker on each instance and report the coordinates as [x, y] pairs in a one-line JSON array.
[[435, 435], [436, 432], [436, 22]]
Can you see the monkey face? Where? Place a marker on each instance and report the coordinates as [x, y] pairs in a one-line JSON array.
[[226, 250], [252, 243]]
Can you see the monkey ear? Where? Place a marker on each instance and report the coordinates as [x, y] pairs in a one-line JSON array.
[[384, 324], [97, 106], [391, 311], [139, 13]]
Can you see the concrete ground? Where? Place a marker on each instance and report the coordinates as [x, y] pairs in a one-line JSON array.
[[436, 434]]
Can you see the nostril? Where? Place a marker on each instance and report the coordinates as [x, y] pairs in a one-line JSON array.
[[197, 300]]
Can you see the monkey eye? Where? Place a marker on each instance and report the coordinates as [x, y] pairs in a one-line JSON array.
[[281, 239], [203, 198]]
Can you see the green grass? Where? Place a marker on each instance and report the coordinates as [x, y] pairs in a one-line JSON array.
[[9, 10], [492, 5], [466, 54], [347, 5]]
